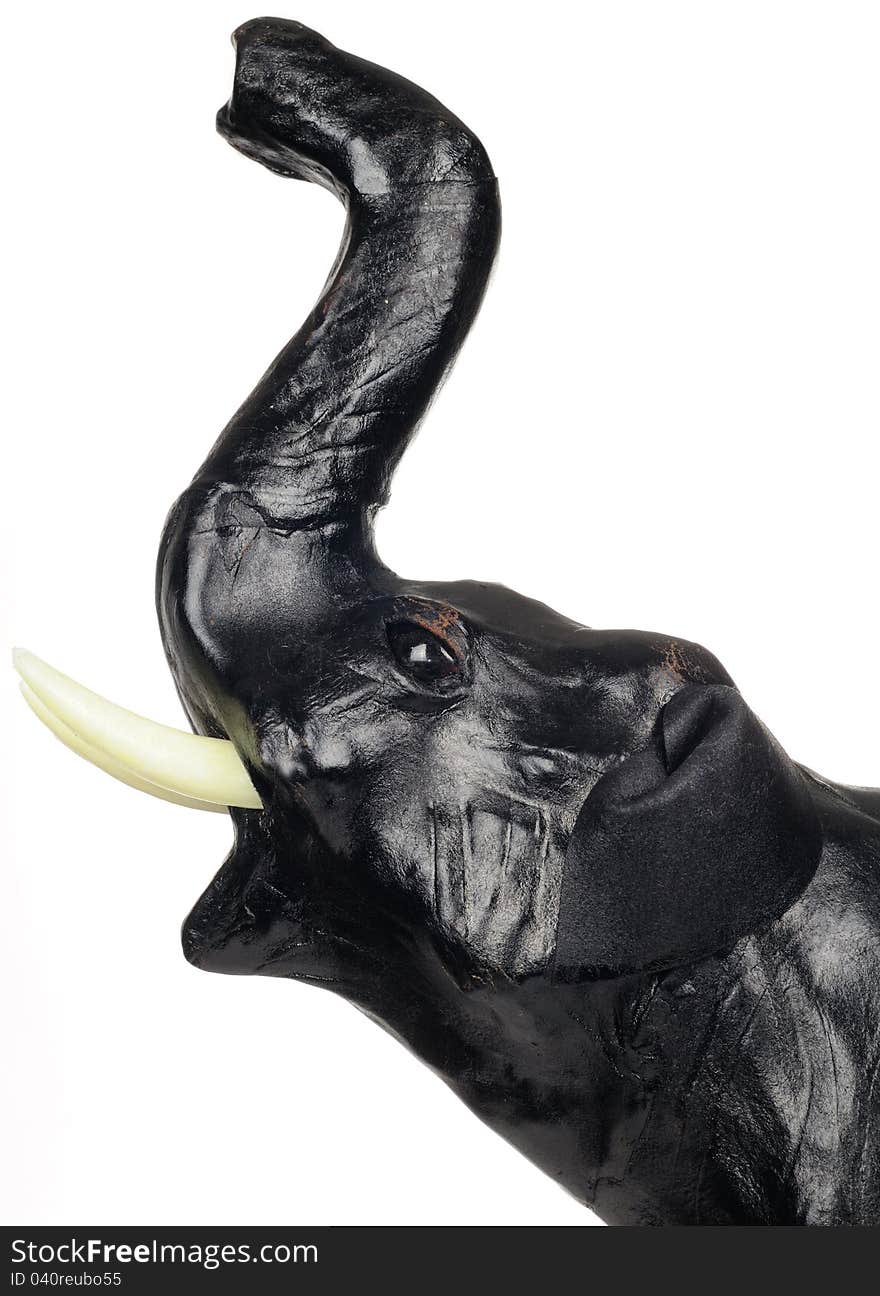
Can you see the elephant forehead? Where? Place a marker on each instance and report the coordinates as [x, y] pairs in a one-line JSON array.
[[548, 650], [497, 608]]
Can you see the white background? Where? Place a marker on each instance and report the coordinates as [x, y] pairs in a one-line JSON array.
[[666, 417]]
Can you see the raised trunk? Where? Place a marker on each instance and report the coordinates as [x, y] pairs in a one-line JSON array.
[[273, 537], [316, 442]]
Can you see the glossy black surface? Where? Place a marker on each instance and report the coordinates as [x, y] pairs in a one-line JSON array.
[[568, 867]]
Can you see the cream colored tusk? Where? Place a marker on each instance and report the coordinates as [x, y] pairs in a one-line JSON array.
[[78, 745], [190, 767]]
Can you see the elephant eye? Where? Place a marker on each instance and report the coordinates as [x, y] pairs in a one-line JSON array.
[[423, 655]]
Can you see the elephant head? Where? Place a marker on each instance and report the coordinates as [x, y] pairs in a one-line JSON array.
[[457, 808]]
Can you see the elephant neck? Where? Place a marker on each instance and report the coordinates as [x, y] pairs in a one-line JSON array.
[[642, 1096]]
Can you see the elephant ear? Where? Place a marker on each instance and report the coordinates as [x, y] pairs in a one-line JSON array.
[[688, 846]]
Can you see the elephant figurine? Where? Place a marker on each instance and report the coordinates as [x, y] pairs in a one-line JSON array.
[[569, 868]]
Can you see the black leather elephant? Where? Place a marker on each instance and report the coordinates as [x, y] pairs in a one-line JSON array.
[[568, 867]]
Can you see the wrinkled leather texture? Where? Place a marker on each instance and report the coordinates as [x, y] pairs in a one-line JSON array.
[[568, 867]]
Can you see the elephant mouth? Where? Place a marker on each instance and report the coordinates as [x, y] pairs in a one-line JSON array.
[[279, 907], [259, 931]]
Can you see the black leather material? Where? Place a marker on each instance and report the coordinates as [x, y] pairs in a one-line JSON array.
[[568, 867]]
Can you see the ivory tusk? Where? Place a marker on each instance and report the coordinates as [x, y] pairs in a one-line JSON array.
[[106, 763], [188, 768]]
